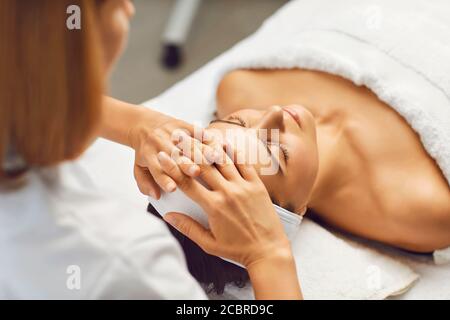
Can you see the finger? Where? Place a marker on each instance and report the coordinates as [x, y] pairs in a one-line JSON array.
[[146, 183], [191, 229], [161, 178], [188, 167], [178, 134], [222, 161], [208, 173], [195, 132], [213, 139], [247, 171], [226, 166], [195, 150], [193, 189]]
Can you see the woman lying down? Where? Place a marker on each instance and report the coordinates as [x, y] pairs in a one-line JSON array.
[[342, 153]]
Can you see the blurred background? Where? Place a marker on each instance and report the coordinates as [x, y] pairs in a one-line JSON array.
[[217, 25]]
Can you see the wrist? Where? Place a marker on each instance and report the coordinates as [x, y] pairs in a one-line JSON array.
[[278, 258], [275, 277], [118, 118], [143, 121]]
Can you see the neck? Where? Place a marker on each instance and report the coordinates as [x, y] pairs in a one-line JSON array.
[[330, 144]]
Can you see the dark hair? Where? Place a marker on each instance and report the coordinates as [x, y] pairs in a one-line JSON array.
[[211, 271]]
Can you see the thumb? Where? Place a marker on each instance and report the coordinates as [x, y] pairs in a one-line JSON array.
[[146, 183], [191, 229]]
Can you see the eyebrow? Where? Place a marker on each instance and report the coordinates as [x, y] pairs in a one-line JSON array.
[[266, 144]]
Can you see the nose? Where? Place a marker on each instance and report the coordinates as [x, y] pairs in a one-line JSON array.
[[272, 119]]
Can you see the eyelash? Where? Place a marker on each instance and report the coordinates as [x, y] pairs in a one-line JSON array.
[[282, 147]]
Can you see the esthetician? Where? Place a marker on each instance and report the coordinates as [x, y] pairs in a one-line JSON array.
[[60, 236]]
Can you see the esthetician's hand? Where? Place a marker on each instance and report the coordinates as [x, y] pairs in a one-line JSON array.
[[153, 133], [148, 132], [244, 226]]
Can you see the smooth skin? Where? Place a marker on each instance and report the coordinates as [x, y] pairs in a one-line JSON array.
[[352, 158], [260, 244]]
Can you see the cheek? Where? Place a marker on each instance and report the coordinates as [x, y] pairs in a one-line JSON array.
[[120, 23], [115, 28], [273, 184], [304, 162]]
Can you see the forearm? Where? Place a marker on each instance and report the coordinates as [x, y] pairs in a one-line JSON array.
[[119, 117], [275, 279]]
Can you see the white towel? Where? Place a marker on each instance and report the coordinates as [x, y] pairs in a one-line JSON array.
[[331, 268], [442, 256], [177, 201], [355, 271], [399, 49]]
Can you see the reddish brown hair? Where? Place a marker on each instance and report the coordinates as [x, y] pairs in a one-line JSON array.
[[50, 80]]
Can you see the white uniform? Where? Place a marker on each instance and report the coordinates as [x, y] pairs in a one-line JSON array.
[[61, 238]]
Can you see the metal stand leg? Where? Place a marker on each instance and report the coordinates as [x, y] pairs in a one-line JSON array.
[[177, 30]]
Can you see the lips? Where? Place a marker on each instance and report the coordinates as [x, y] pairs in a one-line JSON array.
[[294, 114]]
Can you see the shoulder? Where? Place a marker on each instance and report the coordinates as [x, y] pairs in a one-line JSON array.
[[422, 217], [237, 90]]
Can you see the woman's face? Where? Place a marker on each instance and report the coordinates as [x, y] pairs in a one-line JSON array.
[[114, 21], [283, 143]]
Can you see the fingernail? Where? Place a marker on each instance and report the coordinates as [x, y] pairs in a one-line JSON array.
[[170, 219], [210, 156], [207, 136], [152, 194], [170, 187], [218, 155], [162, 156], [193, 170]]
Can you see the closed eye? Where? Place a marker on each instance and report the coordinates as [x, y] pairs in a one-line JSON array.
[[239, 119], [281, 147], [236, 120], [268, 145], [284, 150]]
